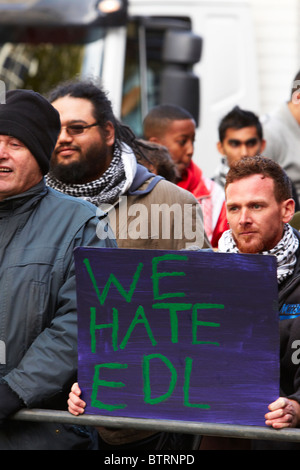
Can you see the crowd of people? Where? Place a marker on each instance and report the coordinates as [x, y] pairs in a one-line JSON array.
[[68, 164]]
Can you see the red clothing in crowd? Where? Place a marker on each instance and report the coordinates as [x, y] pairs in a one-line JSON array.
[[212, 199]]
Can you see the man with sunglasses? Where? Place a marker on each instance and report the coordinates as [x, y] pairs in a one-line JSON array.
[[240, 135], [95, 159]]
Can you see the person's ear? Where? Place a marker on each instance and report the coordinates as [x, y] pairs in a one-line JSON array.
[[109, 133], [154, 139], [296, 97], [220, 148], [288, 210], [262, 146]]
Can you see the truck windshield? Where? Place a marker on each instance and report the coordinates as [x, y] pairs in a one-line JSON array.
[[144, 65], [39, 66], [140, 79]]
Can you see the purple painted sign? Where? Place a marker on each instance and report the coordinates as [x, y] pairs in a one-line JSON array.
[[179, 335]]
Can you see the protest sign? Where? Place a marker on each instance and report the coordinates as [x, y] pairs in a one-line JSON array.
[[186, 335]]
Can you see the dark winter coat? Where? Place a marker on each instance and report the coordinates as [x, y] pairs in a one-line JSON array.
[[39, 230]]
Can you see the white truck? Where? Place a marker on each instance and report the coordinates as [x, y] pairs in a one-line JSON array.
[[199, 54]]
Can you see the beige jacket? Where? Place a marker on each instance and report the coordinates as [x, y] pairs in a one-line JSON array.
[[166, 218]]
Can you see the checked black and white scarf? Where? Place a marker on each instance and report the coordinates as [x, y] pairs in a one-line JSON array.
[[106, 190], [284, 251]]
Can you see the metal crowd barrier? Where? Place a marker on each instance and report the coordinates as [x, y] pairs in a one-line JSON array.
[[204, 429]]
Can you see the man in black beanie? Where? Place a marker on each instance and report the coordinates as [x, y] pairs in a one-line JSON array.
[[39, 228]]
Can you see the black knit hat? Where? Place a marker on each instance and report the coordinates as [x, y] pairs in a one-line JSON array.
[[30, 118]]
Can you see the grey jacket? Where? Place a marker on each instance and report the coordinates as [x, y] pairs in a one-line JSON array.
[[282, 134], [38, 321]]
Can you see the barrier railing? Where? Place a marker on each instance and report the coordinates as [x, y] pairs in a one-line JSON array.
[[204, 429]]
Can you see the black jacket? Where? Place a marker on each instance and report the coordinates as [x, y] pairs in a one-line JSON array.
[[289, 316], [289, 324]]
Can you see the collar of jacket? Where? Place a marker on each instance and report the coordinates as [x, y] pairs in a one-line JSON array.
[[286, 286], [24, 201], [141, 176], [297, 267]]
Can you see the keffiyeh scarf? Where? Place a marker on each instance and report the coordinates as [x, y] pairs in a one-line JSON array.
[[284, 251], [116, 180]]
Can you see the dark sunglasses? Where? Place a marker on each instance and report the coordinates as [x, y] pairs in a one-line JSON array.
[[77, 129]]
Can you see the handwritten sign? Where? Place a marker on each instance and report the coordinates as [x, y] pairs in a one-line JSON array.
[[179, 335]]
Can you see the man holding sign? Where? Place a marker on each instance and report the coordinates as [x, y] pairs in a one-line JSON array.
[[259, 207]]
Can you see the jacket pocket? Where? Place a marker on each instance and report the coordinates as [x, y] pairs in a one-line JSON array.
[[35, 321]]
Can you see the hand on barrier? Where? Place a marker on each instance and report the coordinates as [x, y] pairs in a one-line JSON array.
[[284, 413]]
